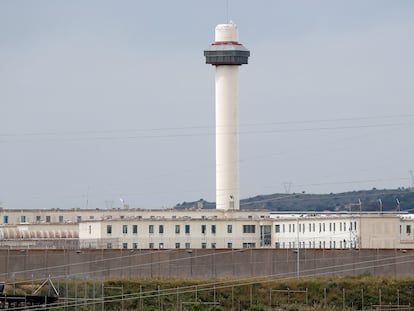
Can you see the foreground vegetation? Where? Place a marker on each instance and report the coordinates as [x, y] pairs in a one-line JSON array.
[[355, 293]]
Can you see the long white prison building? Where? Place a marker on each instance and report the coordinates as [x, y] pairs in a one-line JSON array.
[[198, 228]]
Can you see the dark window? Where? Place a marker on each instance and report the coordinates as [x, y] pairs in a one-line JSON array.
[[60, 218], [124, 229], [135, 229], [177, 245], [161, 229], [203, 229], [108, 229], [213, 229], [249, 229], [203, 245], [229, 228], [177, 228], [151, 229], [38, 218], [187, 229], [229, 245], [134, 245], [6, 219], [124, 245]]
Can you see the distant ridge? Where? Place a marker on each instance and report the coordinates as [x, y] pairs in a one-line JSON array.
[[371, 200]]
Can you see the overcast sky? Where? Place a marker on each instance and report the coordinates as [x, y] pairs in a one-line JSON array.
[[102, 100]]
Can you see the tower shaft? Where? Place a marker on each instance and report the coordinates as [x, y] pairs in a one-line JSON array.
[[227, 138]]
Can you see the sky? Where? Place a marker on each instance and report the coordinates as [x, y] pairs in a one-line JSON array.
[[103, 100]]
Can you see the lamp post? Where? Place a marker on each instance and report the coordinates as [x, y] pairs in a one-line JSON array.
[[297, 249]]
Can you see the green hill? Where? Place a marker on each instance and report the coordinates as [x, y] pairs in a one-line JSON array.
[[364, 200]]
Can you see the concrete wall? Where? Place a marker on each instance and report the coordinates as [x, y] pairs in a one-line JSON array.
[[207, 263]]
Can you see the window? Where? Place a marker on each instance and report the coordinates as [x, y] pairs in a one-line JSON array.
[[313, 227], [310, 227], [91, 217], [277, 245], [213, 229], [203, 229], [161, 245], [229, 228], [299, 227], [330, 227], [323, 226], [187, 245], [187, 229], [60, 218], [177, 229], [135, 229], [290, 227], [203, 245], [47, 218], [90, 229], [6, 219], [151, 228], [108, 245], [355, 227], [334, 229], [350, 225], [79, 218], [151, 245], [109, 229], [124, 245], [177, 245], [408, 229], [38, 218], [161, 229], [277, 228], [134, 245], [249, 245], [213, 245], [124, 229], [283, 227], [22, 218], [229, 245], [249, 229]]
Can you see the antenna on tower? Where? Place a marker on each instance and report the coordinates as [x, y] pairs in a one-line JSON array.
[[227, 11]]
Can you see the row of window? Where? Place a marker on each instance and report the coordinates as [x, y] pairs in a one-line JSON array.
[[179, 245], [187, 229], [313, 244], [47, 219], [332, 226]]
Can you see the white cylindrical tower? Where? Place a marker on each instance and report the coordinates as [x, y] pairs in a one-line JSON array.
[[227, 54]]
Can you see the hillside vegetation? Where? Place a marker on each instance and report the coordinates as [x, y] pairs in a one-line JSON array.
[[364, 200]]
